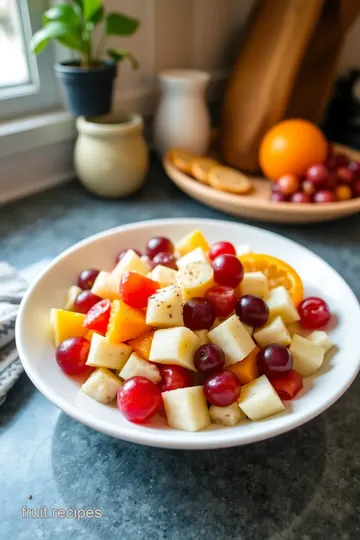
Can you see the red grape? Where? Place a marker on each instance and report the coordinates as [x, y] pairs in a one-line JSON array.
[[300, 198], [85, 300], [252, 310], [87, 277], [288, 184], [174, 377], [221, 248], [158, 244], [345, 176], [222, 389], [308, 187], [288, 385], [71, 355], [324, 196], [223, 298], [165, 259], [314, 313], [228, 270], [123, 252], [354, 167], [199, 314], [139, 399], [317, 174], [275, 188], [97, 318], [274, 359], [277, 196], [209, 359], [356, 188], [335, 161], [330, 149]]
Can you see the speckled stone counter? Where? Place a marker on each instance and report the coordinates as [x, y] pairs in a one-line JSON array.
[[301, 485]]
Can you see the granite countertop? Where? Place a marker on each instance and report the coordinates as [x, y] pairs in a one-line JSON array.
[[301, 485]]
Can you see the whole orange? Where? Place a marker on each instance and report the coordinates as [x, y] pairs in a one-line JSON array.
[[291, 147]]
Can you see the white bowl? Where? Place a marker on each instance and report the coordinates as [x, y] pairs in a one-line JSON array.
[[37, 352]]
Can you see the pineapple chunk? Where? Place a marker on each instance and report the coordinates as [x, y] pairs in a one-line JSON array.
[[195, 279], [197, 254], [186, 408], [254, 283], [203, 337], [190, 242], [258, 399], [102, 385], [106, 285], [163, 275], [308, 357], [72, 294], [105, 354], [226, 416], [243, 249], [233, 338], [66, 324], [174, 346], [131, 262], [165, 308], [274, 332], [280, 303], [137, 366], [321, 338]]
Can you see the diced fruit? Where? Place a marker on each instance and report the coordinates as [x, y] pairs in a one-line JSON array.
[[308, 357], [72, 293], [252, 310], [197, 254], [174, 346], [258, 399], [288, 385], [66, 324], [186, 408], [274, 332], [314, 313], [324, 196], [222, 389], [199, 314], [71, 355], [343, 193], [85, 301], [142, 344], [209, 359], [223, 298], [165, 259], [105, 354], [233, 339], [280, 303], [123, 252], [254, 283], [97, 318], [136, 289], [159, 244], [195, 279], [277, 196], [294, 328], [288, 184], [203, 337], [228, 270], [130, 262], [274, 359], [321, 338], [125, 323], [139, 399], [242, 249], [226, 416], [300, 198], [190, 242], [107, 286], [247, 370], [163, 275], [174, 377], [165, 308], [221, 248], [137, 366], [87, 277], [102, 385], [318, 174], [89, 335]]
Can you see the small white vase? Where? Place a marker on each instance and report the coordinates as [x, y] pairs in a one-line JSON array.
[[182, 119], [111, 157]]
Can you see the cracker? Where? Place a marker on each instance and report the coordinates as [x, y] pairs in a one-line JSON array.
[[230, 180], [201, 167], [181, 159]]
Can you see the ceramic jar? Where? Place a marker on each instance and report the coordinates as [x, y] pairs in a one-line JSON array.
[[182, 118], [111, 156]]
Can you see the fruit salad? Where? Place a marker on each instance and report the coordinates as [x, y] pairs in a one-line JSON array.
[[202, 334]]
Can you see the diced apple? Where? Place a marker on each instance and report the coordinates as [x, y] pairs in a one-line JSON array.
[[254, 283], [243, 249], [203, 337], [174, 346], [308, 357], [186, 408], [197, 254], [102, 385], [226, 416], [72, 294], [190, 242], [274, 332], [321, 338], [165, 308], [280, 303], [233, 338], [106, 285], [163, 275], [137, 366], [131, 262], [195, 279], [105, 354], [258, 399], [66, 324]]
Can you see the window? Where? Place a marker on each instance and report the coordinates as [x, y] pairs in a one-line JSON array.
[[27, 83]]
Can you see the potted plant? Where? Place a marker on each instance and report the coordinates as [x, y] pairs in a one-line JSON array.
[[88, 81]]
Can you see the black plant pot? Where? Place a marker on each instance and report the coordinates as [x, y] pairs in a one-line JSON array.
[[88, 91]]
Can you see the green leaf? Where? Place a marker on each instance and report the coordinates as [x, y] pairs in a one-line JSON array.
[[117, 24], [120, 54], [62, 13], [54, 30], [91, 9]]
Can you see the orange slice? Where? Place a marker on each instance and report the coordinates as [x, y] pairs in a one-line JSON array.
[[278, 273]]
